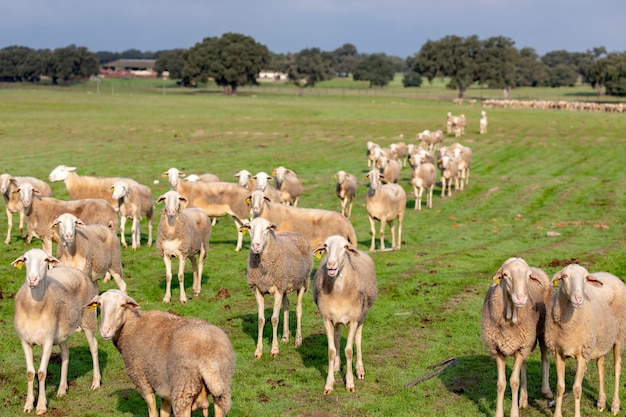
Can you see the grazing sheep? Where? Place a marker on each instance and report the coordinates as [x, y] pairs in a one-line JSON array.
[[48, 310], [8, 187], [384, 202], [346, 191], [183, 360], [216, 199], [398, 150], [83, 186], [423, 178], [449, 167], [314, 224], [41, 211], [182, 233], [586, 319], [278, 263], [94, 248], [483, 122], [390, 168], [202, 178], [344, 290], [288, 184], [134, 201], [513, 321]]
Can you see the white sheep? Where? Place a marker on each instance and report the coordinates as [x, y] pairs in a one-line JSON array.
[[48, 310], [398, 151], [389, 168], [182, 233], [344, 290], [84, 186], [585, 320], [183, 360], [41, 211], [94, 248], [346, 191], [483, 122], [371, 153], [8, 187], [278, 264], [202, 178], [386, 203], [314, 224], [449, 167], [458, 125], [463, 155], [262, 182], [245, 179], [134, 201], [513, 321], [288, 184], [423, 178], [216, 199]]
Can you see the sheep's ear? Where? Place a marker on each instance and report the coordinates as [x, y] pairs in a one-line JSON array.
[[52, 261], [273, 226], [54, 224], [93, 303], [131, 303], [248, 199], [352, 250], [244, 228], [18, 262], [161, 198], [593, 281], [253, 179], [181, 174], [320, 250], [79, 222], [498, 277], [556, 278], [165, 174], [266, 198], [273, 172]]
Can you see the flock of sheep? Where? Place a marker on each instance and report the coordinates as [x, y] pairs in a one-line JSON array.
[[519, 308]]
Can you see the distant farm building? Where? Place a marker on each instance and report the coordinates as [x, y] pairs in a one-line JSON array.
[[125, 68], [269, 75]]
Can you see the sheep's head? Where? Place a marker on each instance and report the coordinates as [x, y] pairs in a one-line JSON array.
[[113, 307], [60, 173], [336, 248], [261, 231], [66, 224], [37, 262], [573, 279]]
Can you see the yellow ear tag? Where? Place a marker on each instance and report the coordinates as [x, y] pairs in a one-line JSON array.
[[18, 265], [318, 254], [243, 231], [496, 280], [92, 307], [556, 282]]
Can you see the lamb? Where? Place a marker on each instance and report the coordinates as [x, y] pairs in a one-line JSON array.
[[586, 318], [8, 187], [278, 263], [181, 359], [182, 233], [344, 290], [288, 184], [384, 202], [94, 248], [83, 186], [346, 191], [216, 199], [314, 224], [513, 321], [483, 122], [449, 167], [48, 310], [389, 168], [41, 211], [423, 178], [134, 201]]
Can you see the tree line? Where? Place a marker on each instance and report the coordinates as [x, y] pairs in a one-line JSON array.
[[234, 60]]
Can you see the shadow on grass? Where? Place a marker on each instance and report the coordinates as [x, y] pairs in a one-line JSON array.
[[80, 364], [129, 401]]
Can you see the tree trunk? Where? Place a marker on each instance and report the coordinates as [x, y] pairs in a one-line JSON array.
[[600, 91], [300, 90], [461, 92]]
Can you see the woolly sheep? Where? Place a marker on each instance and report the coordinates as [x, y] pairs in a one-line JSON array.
[[8, 187], [344, 290], [48, 310], [398, 151], [463, 155], [513, 321], [314, 224], [245, 179], [389, 168], [41, 211], [216, 199], [288, 184], [371, 157], [449, 167], [278, 263], [586, 319], [84, 186], [94, 248], [183, 360], [423, 178], [202, 178], [458, 125], [182, 233], [262, 182], [134, 201], [346, 191], [483, 122], [384, 202]]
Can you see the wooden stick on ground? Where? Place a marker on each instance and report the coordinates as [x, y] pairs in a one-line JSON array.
[[440, 366]]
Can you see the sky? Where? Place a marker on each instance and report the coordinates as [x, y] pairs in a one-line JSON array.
[[394, 27]]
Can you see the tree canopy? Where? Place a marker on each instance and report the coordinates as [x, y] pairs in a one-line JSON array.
[[375, 68], [310, 66]]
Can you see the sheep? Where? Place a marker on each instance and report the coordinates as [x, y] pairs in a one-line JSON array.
[[371, 158], [288, 184], [586, 318], [83, 186], [430, 140], [8, 187], [463, 155], [423, 178], [314, 224], [449, 118], [183, 360], [513, 321], [278, 263], [216, 199], [398, 151], [94, 248], [202, 178], [344, 290], [458, 125], [346, 191], [449, 167], [245, 179], [483, 122], [389, 168], [182, 233], [384, 202], [41, 211], [261, 180], [134, 201], [48, 310]]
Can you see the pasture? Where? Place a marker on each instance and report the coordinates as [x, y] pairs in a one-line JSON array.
[[534, 172]]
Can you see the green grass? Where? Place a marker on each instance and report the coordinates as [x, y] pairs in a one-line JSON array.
[[532, 173]]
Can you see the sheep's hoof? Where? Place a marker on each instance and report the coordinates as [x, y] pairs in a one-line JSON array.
[[41, 412], [274, 353], [166, 300], [351, 388], [284, 339], [258, 355], [327, 390]]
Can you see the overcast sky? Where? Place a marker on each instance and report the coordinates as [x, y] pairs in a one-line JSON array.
[[395, 27]]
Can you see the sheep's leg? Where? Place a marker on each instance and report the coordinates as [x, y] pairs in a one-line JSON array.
[[135, 234], [429, 197], [381, 233], [46, 245], [22, 221], [285, 337], [545, 365], [238, 224], [577, 388], [260, 302], [150, 399], [360, 370], [9, 226], [518, 400], [149, 232], [617, 369], [181, 276], [443, 186], [400, 219], [93, 349], [65, 361], [301, 292], [278, 300], [559, 362], [392, 226], [197, 278], [121, 284], [417, 199], [348, 350], [123, 231], [350, 208], [601, 388], [373, 233], [343, 206], [168, 278], [332, 353], [30, 374], [46, 351], [501, 384]]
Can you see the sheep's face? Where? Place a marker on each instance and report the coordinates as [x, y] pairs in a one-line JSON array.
[[262, 180], [36, 261], [261, 230], [66, 225], [60, 173], [5, 181], [26, 191], [336, 248], [515, 273], [256, 200], [120, 190], [113, 306], [573, 279]]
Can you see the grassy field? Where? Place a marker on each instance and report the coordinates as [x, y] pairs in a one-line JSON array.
[[534, 172]]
